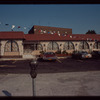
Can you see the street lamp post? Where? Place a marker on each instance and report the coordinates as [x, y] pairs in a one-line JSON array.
[[33, 73]]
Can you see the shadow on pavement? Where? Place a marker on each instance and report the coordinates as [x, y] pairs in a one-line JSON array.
[[6, 93]]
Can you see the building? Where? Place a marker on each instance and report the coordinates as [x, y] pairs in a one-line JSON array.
[[11, 44], [49, 30], [18, 44]]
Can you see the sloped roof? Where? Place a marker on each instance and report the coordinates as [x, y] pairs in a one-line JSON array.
[[48, 37], [12, 35], [34, 37], [86, 37]]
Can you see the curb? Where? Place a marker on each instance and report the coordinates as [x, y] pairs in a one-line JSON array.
[[7, 59], [64, 57], [15, 59]]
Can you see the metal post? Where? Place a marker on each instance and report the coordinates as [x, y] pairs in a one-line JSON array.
[[33, 87], [33, 73]]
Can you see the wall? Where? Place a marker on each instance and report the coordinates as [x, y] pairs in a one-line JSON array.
[[20, 44], [46, 29], [76, 45], [3, 42], [44, 45]]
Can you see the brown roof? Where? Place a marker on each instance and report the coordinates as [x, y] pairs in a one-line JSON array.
[[41, 37], [12, 35], [47, 37], [86, 37]]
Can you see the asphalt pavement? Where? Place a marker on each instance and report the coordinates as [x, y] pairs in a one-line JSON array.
[[57, 79], [51, 84]]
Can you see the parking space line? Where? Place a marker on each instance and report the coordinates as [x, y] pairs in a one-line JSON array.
[[13, 61], [80, 60], [7, 66], [59, 60]]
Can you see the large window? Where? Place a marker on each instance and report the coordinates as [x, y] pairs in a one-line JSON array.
[[96, 45], [83, 45], [68, 45], [28, 48], [11, 46], [52, 46], [39, 47]]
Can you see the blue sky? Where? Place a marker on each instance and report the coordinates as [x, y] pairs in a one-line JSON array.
[[79, 17]]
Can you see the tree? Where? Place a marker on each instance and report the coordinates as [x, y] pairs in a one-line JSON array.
[[91, 32]]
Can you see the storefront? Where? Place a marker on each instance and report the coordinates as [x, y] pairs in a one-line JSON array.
[[18, 44]]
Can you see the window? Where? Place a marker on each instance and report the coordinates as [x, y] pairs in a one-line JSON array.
[[68, 45], [96, 45], [34, 29], [29, 48], [39, 47], [58, 32], [52, 46], [11, 46], [41, 30], [83, 45], [44, 31]]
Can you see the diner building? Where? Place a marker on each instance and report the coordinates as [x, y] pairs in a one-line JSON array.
[[16, 44]]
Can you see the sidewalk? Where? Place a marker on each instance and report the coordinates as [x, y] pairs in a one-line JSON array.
[[51, 84], [25, 58], [15, 85], [2, 59]]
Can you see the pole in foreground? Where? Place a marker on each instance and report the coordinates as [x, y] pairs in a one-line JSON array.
[[33, 73]]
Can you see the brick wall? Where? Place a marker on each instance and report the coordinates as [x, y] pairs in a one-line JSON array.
[[51, 30]]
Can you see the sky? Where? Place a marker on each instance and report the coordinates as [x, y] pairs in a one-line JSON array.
[[79, 17]]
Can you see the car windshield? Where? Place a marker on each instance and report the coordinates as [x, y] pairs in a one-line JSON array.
[[83, 52], [49, 53]]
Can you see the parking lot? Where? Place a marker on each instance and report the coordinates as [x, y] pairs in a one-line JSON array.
[[65, 77], [69, 65], [60, 66]]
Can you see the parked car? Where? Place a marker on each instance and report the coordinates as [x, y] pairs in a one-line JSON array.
[[49, 56], [96, 54], [86, 55], [81, 55]]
